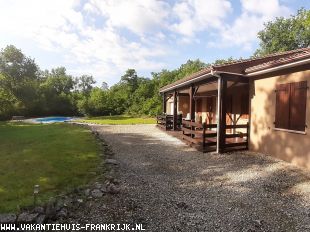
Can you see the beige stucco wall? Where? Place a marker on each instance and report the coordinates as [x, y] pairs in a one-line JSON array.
[[291, 147]]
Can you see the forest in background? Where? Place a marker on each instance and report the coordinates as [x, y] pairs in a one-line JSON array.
[[27, 90]]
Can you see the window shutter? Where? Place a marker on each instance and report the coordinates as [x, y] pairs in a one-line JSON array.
[[298, 101], [282, 106]]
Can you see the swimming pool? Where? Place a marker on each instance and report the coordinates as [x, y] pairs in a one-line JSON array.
[[52, 119]]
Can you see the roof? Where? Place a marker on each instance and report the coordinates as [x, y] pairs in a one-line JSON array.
[[247, 66]]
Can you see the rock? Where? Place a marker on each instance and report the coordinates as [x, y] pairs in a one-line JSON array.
[[87, 192], [62, 213], [26, 217], [50, 210], [113, 189], [97, 185], [111, 161], [40, 219], [39, 210], [104, 189], [7, 218], [96, 193], [67, 202], [59, 205]]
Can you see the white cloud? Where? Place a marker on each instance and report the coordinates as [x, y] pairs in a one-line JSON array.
[[135, 15], [61, 26], [243, 31], [198, 15], [105, 37]]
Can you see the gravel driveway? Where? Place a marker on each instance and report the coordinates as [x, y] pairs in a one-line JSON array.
[[167, 186]]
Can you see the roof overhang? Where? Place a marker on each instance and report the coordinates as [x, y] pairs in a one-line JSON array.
[[280, 67], [199, 78]]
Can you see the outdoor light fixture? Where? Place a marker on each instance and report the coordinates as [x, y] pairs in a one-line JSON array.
[[36, 190]]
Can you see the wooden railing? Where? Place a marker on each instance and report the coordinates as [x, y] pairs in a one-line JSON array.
[[199, 135], [166, 121], [204, 136], [237, 140]]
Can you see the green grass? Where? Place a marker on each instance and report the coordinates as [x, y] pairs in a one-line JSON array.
[[58, 157], [119, 120]]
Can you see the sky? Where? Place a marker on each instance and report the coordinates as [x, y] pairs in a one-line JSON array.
[[104, 38]]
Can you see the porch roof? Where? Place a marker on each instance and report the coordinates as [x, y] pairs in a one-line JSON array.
[[244, 68]]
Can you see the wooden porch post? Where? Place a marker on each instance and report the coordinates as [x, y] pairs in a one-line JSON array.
[[191, 102], [221, 124], [175, 110], [164, 103]]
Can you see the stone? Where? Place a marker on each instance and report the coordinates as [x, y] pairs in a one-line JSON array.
[[7, 218], [87, 192], [39, 210], [67, 202], [40, 219], [96, 193], [104, 189], [50, 210], [62, 213], [111, 161], [113, 189], [59, 205], [98, 185], [26, 217]]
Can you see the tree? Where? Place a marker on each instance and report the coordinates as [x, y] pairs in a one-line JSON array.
[[223, 61], [104, 86], [131, 79], [285, 34], [85, 83], [56, 92], [19, 80]]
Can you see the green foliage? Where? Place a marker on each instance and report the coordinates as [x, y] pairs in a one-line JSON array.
[[57, 157], [285, 34], [26, 90]]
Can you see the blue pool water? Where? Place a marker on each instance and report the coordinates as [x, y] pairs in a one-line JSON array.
[[52, 119]]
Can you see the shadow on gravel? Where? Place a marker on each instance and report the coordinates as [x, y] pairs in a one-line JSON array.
[[170, 187]]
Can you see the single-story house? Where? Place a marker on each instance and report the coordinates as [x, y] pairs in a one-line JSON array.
[[261, 104]]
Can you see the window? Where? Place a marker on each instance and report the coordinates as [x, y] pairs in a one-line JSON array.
[[291, 100]]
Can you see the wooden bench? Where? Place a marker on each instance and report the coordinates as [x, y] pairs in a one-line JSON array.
[[18, 118]]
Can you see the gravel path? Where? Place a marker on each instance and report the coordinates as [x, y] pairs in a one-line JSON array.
[[167, 186]]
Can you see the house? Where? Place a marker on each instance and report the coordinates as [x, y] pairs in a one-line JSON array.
[[261, 104]]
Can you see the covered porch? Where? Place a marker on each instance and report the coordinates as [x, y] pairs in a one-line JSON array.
[[211, 114]]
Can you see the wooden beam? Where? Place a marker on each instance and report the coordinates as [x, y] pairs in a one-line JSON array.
[[235, 78], [183, 94], [175, 110], [207, 94], [191, 103], [221, 124], [164, 103], [222, 118]]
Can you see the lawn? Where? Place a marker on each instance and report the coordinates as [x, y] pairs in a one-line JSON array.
[[58, 157], [119, 120]]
